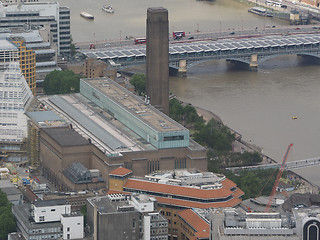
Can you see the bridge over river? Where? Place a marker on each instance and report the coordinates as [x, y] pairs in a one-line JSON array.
[[288, 166], [251, 50]]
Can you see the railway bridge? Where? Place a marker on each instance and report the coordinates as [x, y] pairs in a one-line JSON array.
[[245, 49]]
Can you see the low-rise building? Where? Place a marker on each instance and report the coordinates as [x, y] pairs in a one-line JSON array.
[[233, 224], [51, 219], [13, 194], [177, 190]]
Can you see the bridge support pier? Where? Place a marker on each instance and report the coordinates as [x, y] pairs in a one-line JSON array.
[[182, 71], [253, 66]]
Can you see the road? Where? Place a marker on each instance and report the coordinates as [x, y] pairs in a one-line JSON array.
[[229, 33]]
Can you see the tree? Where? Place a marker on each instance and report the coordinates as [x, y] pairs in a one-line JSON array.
[[7, 220], [72, 47], [61, 82], [138, 80]]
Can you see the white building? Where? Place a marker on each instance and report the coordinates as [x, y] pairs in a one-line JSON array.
[[8, 53], [39, 14], [15, 96], [51, 219], [72, 226], [49, 211]]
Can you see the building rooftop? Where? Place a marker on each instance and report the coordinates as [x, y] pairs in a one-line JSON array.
[[120, 171], [66, 137], [45, 203], [195, 190], [105, 132], [6, 45], [198, 223], [46, 119], [23, 213], [135, 105], [72, 214], [105, 205], [11, 191]]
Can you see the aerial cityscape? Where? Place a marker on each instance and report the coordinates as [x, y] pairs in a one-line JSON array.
[[176, 120]]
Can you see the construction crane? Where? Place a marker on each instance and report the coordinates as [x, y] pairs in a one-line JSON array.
[[276, 183]]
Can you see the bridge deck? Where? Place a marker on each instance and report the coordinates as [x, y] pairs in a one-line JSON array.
[[218, 49], [289, 165]]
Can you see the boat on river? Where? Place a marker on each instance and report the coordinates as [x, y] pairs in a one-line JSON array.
[[260, 11], [107, 8], [87, 15]]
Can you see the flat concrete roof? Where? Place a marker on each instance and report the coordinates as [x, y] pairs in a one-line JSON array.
[[104, 205], [6, 45], [66, 137], [135, 105], [53, 202]]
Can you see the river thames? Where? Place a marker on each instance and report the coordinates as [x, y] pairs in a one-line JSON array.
[[259, 105]]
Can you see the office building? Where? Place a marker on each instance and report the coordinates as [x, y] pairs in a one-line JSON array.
[[13, 194], [178, 190], [232, 223], [15, 97], [157, 58], [37, 53], [9, 52], [37, 15], [119, 217], [50, 219], [27, 60]]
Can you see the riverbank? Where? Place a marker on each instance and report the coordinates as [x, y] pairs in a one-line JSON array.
[[240, 145]]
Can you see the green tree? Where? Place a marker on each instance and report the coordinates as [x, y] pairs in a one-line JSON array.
[[216, 136], [138, 80], [72, 47], [61, 82], [84, 212], [7, 220]]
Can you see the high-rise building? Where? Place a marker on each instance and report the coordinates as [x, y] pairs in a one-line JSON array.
[[37, 54], [36, 15], [8, 52], [27, 59], [15, 97], [157, 59]]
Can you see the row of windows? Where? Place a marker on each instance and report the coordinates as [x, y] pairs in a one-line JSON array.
[[186, 198], [12, 132], [8, 115], [64, 17], [22, 14], [64, 33], [3, 21]]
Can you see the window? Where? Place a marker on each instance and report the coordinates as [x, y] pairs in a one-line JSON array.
[[68, 229], [173, 138], [41, 218], [53, 210], [133, 223]]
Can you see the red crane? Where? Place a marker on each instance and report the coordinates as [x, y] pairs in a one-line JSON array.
[[276, 183]]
